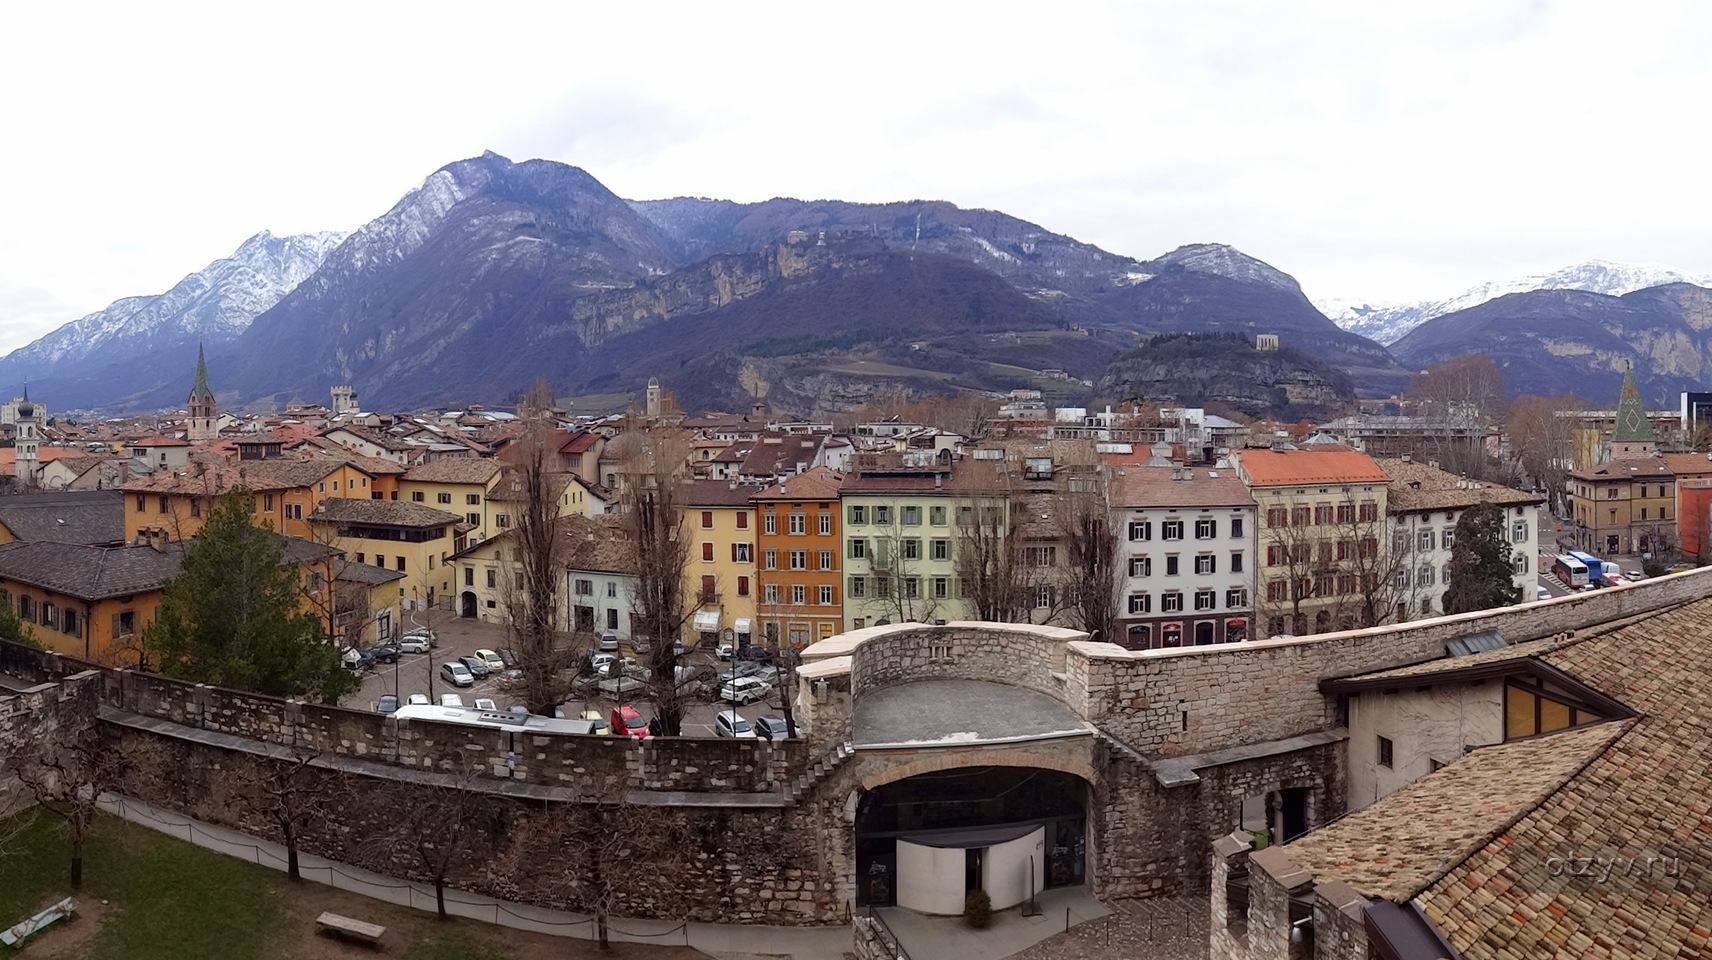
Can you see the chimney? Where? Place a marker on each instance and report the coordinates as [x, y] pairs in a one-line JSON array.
[[1410, 458]]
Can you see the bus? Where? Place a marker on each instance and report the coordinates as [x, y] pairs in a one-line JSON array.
[[1596, 568], [496, 719], [1571, 571]]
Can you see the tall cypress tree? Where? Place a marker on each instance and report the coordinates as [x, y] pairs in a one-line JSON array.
[[1481, 568], [235, 615]]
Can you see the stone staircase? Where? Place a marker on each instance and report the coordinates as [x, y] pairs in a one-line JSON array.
[[1119, 747], [820, 770]]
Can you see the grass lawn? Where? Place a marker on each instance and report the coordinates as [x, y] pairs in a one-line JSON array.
[[170, 899]]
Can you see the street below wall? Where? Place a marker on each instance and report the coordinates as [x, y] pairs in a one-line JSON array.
[[419, 673]]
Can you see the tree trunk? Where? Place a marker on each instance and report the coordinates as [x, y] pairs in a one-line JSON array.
[[76, 861], [291, 861], [600, 928], [440, 896]]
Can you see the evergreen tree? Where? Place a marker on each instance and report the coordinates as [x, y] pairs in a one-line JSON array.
[[12, 628], [235, 615], [1481, 568]]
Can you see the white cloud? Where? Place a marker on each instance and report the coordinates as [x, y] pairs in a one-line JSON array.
[[1371, 150]]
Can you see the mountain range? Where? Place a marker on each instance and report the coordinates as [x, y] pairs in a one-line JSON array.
[[493, 273], [1389, 322]]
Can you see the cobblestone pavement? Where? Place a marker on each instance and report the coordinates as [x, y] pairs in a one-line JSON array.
[[1167, 928]]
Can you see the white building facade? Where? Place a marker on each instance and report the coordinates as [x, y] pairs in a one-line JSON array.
[[1185, 556]]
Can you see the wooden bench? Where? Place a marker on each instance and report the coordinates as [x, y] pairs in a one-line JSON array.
[[58, 911], [347, 927]]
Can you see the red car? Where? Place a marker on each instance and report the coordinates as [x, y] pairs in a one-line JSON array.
[[626, 722]]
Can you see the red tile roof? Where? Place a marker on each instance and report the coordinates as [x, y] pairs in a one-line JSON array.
[[1288, 468]]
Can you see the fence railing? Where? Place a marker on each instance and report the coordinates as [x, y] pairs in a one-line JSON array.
[[887, 938]]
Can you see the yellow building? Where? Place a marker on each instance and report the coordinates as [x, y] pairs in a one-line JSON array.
[[367, 603], [409, 538], [175, 502], [95, 602], [719, 574], [461, 486]]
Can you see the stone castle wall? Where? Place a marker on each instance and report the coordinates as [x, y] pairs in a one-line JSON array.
[[1195, 700]]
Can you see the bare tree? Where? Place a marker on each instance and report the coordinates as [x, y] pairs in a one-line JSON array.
[[660, 607], [1543, 443], [436, 824], [292, 793], [66, 769], [1090, 562], [537, 555], [601, 840]]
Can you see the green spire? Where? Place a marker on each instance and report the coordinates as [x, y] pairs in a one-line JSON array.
[[1632, 423], [200, 388]]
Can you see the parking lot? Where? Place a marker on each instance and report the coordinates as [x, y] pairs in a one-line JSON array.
[[419, 673]]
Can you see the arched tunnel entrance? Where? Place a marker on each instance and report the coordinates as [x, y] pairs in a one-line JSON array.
[[925, 842]]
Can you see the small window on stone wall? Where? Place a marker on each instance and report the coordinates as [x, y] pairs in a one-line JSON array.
[[1385, 751], [939, 652]]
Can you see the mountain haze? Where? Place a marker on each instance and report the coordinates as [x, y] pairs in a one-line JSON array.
[[1388, 323]]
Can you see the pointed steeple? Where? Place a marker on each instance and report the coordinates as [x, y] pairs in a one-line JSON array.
[[200, 390], [1632, 424]]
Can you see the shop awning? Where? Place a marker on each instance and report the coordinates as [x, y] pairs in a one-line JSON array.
[[742, 625], [707, 621], [1235, 623]]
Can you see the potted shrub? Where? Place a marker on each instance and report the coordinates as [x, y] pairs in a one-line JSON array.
[[978, 909]]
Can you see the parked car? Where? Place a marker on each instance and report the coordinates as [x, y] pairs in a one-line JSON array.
[[626, 722], [383, 653], [412, 644], [745, 690], [476, 666], [418, 700], [601, 662], [456, 674], [726, 723], [451, 700], [609, 642], [1541, 593], [495, 663], [354, 659], [771, 728], [386, 704], [512, 660], [601, 727], [724, 651], [483, 703], [1634, 574], [424, 633], [738, 671], [754, 654]]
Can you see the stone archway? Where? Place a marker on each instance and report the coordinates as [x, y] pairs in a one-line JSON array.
[[467, 605]]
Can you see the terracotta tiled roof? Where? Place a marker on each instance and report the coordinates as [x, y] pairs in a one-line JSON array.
[[1420, 486], [209, 479], [1495, 818], [1652, 468], [366, 573], [1688, 464], [156, 441], [1288, 468], [718, 493], [964, 476], [454, 470], [580, 443], [296, 473], [94, 573], [393, 513], [1134, 485], [816, 483], [1395, 848]]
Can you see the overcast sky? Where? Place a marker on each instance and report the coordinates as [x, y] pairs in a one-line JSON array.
[[1371, 150]]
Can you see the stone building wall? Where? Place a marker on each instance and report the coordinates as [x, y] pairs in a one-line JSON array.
[[1234, 694], [726, 865], [1016, 654], [588, 763]]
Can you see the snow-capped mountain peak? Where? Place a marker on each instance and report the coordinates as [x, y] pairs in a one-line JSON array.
[[1388, 322], [1227, 261], [215, 304]]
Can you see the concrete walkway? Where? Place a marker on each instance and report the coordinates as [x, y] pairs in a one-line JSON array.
[[950, 938], [797, 943]]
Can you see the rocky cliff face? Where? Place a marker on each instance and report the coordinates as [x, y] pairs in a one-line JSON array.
[[1194, 371], [1563, 341]]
